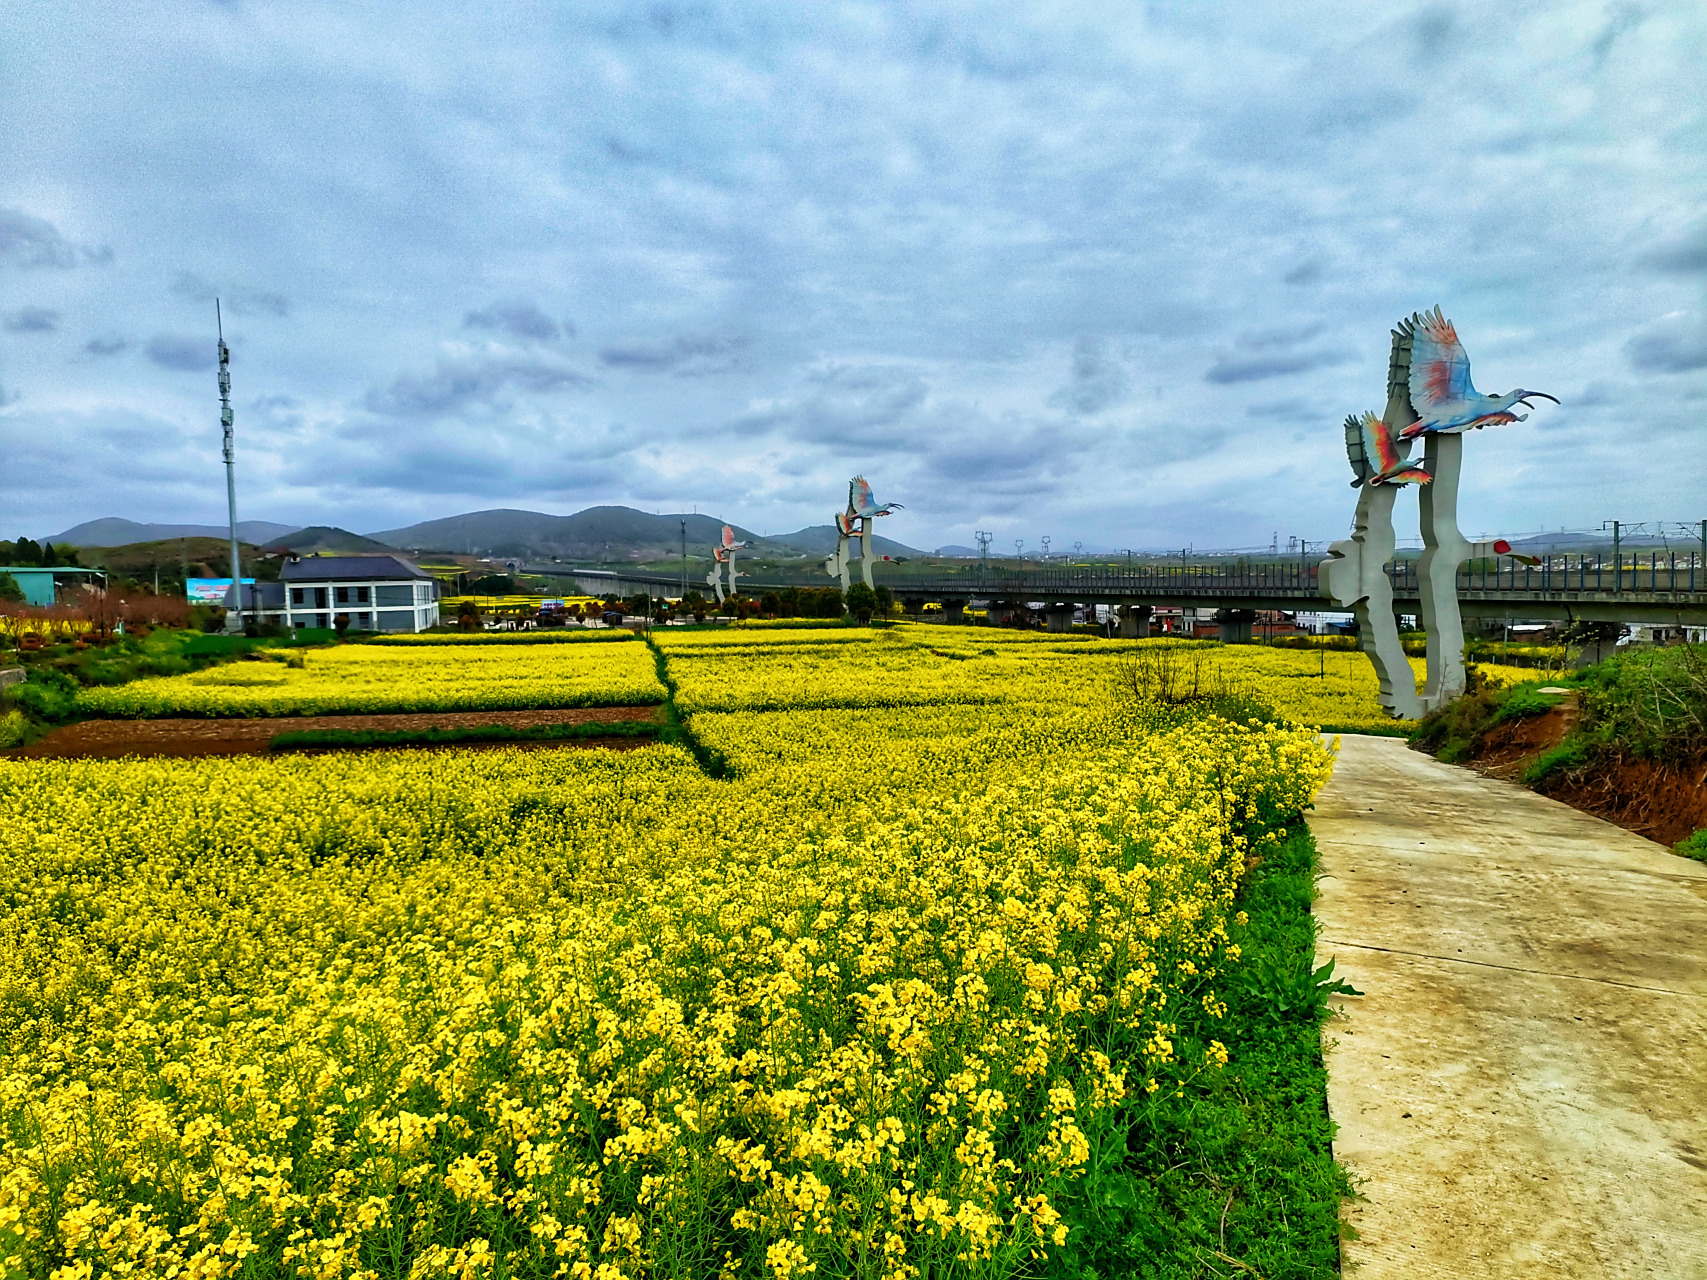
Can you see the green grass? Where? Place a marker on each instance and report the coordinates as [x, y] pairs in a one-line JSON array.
[[1237, 1177], [1694, 846], [1398, 729], [323, 739], [429, 639]]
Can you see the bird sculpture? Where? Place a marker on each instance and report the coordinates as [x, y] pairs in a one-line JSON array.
[[729, 543], [862, 503], [1381, 453], [1441, 393]]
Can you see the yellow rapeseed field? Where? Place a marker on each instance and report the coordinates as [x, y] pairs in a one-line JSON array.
[[377, 678], [858, 1007]]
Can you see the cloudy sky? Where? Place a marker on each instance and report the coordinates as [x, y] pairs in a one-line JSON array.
[[1107, 273]]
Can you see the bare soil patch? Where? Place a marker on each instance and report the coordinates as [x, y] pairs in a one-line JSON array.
[[112, 739], [1665, 801], [1507, 749]]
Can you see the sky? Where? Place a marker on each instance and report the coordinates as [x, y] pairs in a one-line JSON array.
[[1111, 274]]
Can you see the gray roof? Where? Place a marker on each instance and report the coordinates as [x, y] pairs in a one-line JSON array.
[[350, 569]]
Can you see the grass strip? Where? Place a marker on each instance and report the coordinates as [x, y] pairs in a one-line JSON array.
[[1398, 729], [323, 739], [1236, 1174], [431, 639]]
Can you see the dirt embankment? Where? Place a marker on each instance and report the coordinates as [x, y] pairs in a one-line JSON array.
[[1664, 801], [112, 739]]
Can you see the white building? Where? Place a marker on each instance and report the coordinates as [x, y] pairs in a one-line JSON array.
[[376, 593]]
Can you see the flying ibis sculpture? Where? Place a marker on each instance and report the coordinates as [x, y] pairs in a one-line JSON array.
[[1429, 396], [723, 562], [853, 523]]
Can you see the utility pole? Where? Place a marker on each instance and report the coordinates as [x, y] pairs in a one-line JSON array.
[[234, 620], [1617, 556], [684, 558]]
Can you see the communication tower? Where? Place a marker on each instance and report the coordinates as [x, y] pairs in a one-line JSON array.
[[234, 619]]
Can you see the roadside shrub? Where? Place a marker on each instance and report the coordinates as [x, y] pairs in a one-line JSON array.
[[1694, 846]]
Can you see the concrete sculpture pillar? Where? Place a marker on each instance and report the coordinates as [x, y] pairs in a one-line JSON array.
[[1444, 549], [1354, 576]]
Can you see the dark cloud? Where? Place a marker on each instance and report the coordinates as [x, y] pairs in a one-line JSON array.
[[1680, 254], [1278, 364], [1293, 410], [28, 241], [1676, 344], [108, 345], [1097, 380], [1433, 32], [1307, 272], [32, 320], [464, 381], [843, 405], [1621, 19], [682, 356], [520, 319], [170, 351], [235, 299]]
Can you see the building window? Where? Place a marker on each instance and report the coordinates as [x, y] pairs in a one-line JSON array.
[[320, 599], [343, 595], [296, 595], [361, 595]]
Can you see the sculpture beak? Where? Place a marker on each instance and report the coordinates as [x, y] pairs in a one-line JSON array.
[[1543, 395]]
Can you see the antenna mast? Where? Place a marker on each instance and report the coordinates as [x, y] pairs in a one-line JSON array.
[[234, 620]]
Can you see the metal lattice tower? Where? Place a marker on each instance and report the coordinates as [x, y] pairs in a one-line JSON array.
[[235, 619]]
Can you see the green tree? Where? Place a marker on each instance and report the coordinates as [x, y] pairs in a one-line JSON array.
[[770, 604], [861, 601], [885, 602], [9, 588]]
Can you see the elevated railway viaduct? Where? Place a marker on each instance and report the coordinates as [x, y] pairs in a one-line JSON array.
[[1656, 589]]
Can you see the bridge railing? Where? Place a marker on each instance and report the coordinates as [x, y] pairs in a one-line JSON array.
[[1653, 572], [1643, 572]]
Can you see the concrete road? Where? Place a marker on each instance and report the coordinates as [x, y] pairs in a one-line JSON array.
[[1522, 1089]]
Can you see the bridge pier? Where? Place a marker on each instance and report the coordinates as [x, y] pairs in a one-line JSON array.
[[1135, 621], [954, 611], [1059, 617], [913, 606], [1236, 625]]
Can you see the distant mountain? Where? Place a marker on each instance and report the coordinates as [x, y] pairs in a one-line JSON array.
[[955, 551], [820, 540], [598, 533], [1543, 544], [113, 531], [321, 537]]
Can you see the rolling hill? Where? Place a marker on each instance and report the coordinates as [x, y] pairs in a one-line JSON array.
[[602, 534], [114, 531], [820, 540], [321, 537]]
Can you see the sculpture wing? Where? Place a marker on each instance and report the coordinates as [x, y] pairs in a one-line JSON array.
[[1355, 451], [1440, 371], [728, 536], [860, 496], [1378, 446]]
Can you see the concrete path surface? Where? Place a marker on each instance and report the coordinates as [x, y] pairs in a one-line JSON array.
[[1522, 1089]]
